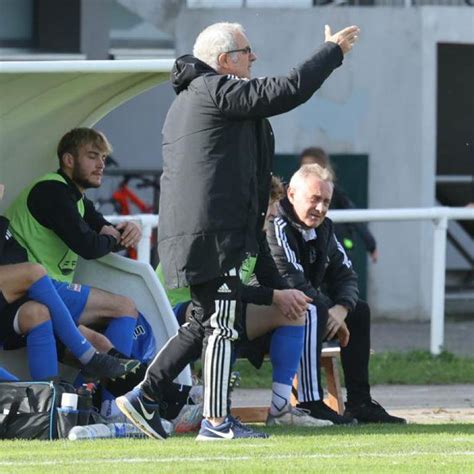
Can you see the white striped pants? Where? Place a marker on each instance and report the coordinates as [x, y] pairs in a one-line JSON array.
[[211, 332], [309, 371]]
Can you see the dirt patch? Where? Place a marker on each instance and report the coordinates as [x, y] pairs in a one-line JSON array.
[[437, 415]]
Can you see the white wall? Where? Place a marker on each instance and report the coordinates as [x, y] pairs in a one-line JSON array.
[[382, 102]]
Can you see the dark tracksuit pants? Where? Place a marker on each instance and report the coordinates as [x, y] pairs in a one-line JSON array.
[[211, 333], [354, 357]]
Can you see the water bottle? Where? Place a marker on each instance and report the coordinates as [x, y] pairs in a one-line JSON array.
[[96, 431], [125, 430]]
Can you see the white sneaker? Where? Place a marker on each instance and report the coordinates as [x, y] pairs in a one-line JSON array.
[[293, 416]]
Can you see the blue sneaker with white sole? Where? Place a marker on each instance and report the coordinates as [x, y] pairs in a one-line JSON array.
[[142, 413], [245, 431], [230, 428]]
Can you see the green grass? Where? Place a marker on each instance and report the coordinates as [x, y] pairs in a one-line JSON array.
[[411, 368], [410, 448], [420, 367]]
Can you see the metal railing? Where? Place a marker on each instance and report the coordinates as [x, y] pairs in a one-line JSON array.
[[322, 3], [439, 217], [148, 223]]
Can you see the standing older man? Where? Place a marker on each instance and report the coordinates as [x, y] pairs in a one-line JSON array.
[[218, 149], [307, 253]]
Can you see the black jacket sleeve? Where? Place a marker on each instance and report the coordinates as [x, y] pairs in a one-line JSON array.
[[284, 248], [340, 279], [260, 295], [266, 271], [265, 278], [54, 206], [344, 202], [95, 219], [364, 232], [263, 97]]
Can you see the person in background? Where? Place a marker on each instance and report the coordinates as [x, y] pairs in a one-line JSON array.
[[345, 231]]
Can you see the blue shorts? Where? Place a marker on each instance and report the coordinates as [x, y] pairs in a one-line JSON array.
[[74, 296]]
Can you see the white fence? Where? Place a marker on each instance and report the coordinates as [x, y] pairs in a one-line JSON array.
[[439, 217], [319, 3]]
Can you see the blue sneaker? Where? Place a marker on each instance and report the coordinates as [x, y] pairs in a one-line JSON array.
[[230, 428], [143, 414], [244, 430]]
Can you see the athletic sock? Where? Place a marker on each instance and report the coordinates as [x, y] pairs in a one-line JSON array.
[[285, 353], [65, 329], [41, 350], [120, 333], [7, 376], [281, 394]]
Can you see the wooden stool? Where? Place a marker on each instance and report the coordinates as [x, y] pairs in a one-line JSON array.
[[329, 358]]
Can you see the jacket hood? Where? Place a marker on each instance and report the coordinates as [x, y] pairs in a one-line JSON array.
[[185, 69], [285, 209]]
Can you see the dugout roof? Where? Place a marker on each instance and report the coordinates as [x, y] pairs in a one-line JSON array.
[[41, 100]]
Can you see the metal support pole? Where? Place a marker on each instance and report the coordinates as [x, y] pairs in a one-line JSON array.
[[438, 285], [144, 246], [148, 222]]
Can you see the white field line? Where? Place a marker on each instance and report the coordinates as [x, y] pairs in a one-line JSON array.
[[204, 459]]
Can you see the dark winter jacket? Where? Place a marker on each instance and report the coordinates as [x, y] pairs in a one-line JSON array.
[[306, 258], [217, 157], [265, 278]]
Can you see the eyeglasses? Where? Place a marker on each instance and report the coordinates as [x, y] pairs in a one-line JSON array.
[[246, 50]]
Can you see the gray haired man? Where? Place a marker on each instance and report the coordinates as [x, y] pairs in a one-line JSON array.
[[218, 149]]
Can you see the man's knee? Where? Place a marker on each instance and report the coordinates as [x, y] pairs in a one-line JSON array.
[[279, 319], [363, 309], [96, 339], [35, 271], [360, 316], [129, 307], [126, 306], [31, 315], [17, 279]]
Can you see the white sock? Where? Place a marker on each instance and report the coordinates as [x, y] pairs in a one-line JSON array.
[[281, 394], [87, 356]]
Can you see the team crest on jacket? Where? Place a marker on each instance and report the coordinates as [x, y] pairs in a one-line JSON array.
[[312, 254]]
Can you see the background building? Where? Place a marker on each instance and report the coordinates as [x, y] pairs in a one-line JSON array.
[[402, 104]]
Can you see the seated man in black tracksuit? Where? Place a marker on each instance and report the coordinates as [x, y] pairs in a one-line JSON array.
[[308, 254]]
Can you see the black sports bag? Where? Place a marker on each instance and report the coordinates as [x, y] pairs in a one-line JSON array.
[[29, 410]]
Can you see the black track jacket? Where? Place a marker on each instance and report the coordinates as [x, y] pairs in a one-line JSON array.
[[217, 158], [306, 263]]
